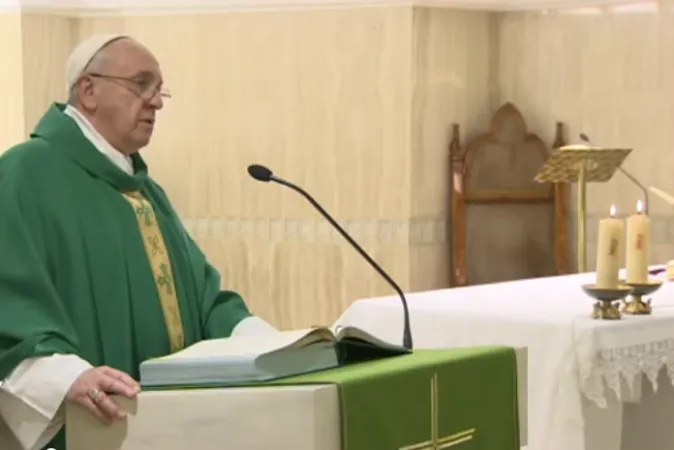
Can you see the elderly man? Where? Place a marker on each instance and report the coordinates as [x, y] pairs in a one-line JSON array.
[[97, 273]]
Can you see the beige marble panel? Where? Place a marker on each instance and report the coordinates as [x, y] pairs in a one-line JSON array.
[[452, 76], [303, 284], [609, 76], [453, 69], [35, 47], [11, 81], [47, 40], [320, 96]]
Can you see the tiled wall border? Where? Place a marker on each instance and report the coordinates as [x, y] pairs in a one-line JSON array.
[[662, 228], [423, 231], [379, 232]]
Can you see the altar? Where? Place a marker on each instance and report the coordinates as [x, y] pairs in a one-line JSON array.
[[592, 382]]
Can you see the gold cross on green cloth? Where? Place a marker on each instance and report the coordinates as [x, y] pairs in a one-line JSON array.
[[436, 442]]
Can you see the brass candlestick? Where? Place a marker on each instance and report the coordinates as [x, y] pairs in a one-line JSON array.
[[606, 307], [581, 164], [636, 306]]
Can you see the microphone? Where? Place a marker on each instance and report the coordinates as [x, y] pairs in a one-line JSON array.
[[584, 138], [262, 173]]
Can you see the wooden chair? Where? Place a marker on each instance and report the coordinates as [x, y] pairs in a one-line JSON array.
[[504, 225]]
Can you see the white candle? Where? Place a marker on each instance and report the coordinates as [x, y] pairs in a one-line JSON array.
[[610, 246], [638, 246]]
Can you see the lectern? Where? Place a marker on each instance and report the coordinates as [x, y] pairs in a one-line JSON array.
[[581, 164], [279, 418], [453, 406]]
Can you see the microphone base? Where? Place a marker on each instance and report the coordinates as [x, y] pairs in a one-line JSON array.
[[407, 341]]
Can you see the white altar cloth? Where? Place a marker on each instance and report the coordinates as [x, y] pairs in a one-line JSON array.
[[572, 358]]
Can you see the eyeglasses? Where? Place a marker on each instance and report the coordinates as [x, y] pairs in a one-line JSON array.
[[146, 87]]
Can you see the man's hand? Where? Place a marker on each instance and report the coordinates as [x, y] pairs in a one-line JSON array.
[[91, 390]]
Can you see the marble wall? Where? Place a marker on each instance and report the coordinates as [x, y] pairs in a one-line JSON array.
[[353, 104], [356, 106], [454, 78], [609, 76]]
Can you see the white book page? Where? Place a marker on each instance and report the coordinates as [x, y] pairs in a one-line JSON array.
[[246, 345]]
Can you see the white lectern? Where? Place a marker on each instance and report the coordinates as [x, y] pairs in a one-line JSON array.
[[304, 417]]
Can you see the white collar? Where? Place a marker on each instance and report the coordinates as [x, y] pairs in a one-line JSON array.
[[118, 158]]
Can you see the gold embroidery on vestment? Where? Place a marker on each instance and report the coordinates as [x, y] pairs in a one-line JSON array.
[[158, 256]]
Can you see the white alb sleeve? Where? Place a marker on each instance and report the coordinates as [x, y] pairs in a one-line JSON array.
[[253, 326], [31, 399]]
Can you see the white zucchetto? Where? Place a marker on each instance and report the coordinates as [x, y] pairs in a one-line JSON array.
[[82, 55]]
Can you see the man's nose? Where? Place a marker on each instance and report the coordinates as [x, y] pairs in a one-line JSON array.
[[157, 102]]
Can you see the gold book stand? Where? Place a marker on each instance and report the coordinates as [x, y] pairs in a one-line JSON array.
[[581, 164]]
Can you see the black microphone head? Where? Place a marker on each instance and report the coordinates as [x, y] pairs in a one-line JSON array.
[[583, 137], [260, 173]]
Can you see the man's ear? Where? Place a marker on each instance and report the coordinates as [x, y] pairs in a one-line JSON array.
[[86, 91]]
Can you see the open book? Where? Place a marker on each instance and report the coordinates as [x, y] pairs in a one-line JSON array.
[[239, 360]]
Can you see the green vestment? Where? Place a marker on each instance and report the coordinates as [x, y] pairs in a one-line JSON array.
[[75, 276]]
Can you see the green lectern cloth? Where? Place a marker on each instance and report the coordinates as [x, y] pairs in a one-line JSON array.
[[431, 399]]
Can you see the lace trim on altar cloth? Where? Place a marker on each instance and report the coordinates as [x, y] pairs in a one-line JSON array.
[[612, 366]]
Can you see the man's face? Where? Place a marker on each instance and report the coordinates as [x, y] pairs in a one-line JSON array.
[[122, 95]]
